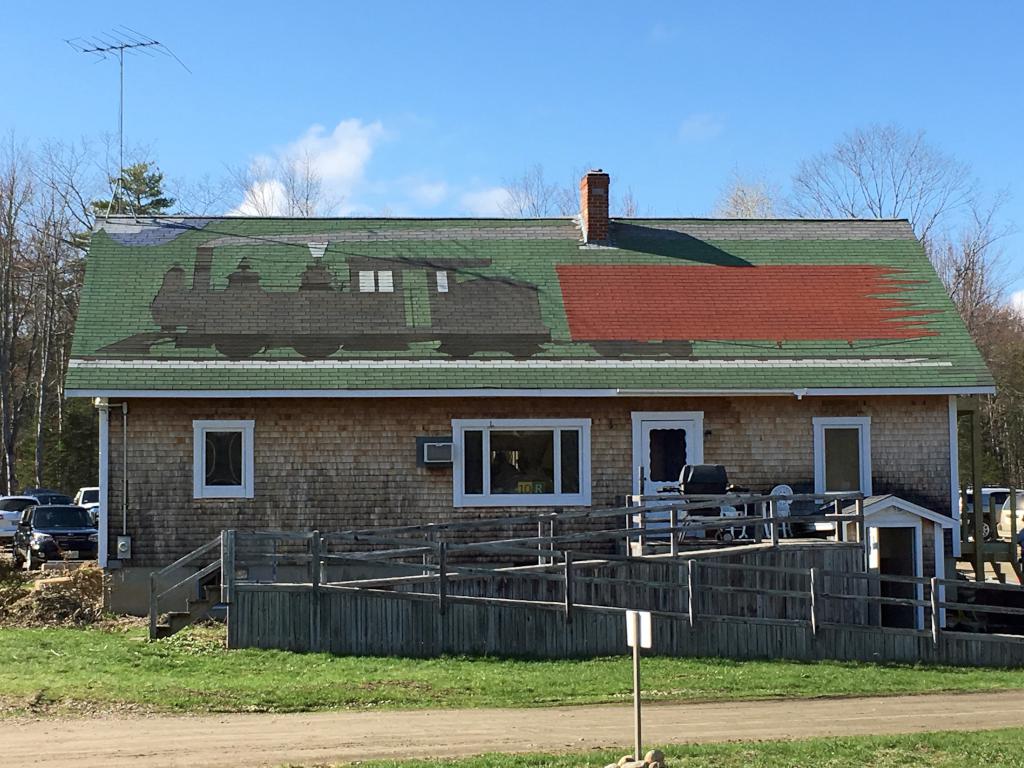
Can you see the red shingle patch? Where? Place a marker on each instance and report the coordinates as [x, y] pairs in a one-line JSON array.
[[775, 303]]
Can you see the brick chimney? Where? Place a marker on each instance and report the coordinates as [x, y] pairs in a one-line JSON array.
[[594, 206]]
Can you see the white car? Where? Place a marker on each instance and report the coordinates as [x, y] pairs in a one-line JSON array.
[[1005, 523], [10, 513], [89, 497]]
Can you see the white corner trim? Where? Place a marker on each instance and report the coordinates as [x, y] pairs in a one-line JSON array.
[[861, 423], [199, 429], [954, 476], [103, 546], [486, 499]]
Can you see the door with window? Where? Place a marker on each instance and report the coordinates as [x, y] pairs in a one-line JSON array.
[[663, 442]]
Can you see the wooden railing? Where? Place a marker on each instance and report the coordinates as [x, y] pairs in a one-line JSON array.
[[193, 578]]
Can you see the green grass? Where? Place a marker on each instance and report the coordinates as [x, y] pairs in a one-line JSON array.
[[67, 669], [987, 749]]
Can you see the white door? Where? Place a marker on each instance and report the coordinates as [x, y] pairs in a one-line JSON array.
[[662, 444]]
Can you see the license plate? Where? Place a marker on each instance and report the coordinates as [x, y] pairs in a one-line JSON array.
[[72, 553]]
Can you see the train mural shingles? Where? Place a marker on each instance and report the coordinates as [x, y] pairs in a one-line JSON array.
[[609, 305], [387, 304]]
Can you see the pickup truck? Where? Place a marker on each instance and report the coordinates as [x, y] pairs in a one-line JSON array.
[[52, 533]]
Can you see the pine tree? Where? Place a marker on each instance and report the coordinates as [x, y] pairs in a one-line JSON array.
[[139, 193]]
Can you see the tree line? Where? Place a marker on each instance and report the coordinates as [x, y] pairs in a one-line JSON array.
[[52, 194]]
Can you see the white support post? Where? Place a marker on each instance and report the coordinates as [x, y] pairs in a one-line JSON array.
[[104, 461]]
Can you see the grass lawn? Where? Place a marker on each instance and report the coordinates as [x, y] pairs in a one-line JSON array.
[[991, 749], [64, 670]]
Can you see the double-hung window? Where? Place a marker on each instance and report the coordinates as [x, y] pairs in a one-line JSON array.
[[222, 459], [842, 454], [521, 462]]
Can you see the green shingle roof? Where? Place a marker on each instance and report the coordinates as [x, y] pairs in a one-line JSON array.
[[396, 304]]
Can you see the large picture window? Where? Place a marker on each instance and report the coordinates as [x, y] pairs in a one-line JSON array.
[[842, 455], [222, 466], [521, 462]]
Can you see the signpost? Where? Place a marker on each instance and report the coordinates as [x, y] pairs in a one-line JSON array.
[[638, 635]]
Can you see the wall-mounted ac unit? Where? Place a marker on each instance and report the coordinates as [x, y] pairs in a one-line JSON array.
[[434, 451]]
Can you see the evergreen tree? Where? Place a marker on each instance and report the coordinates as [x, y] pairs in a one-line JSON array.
[[139, 193]]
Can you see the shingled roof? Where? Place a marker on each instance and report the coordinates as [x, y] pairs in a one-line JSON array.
[[311, 306]]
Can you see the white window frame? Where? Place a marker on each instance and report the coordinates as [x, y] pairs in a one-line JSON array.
[[863, 425], [487, 499], [200, 490]]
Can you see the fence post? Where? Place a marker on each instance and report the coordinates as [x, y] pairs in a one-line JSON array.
[[227, 567], [442, 577], [774, 524], [541, 560], [691, 591], [935, 610], [759, 528], [642, 538], [152, 605], [315, 564], [673, 523], [814, 601], [568, 587]]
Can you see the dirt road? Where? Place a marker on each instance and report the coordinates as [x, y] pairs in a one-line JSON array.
[[230, 741]]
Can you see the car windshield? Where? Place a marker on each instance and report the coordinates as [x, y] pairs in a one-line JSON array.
[[46, 499], [15, 505], [61, 517], [91, 496]]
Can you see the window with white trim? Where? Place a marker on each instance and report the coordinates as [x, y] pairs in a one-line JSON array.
[[222, 459], [842, 454], [521, 462]]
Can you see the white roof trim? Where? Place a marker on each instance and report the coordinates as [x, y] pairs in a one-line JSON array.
[[502, 392], [215, 364], [875, 504]]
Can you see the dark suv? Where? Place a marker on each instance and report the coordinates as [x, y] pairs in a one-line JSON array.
[[47, 533]]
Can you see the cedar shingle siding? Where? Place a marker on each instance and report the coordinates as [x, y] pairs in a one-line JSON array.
[[333, 464]]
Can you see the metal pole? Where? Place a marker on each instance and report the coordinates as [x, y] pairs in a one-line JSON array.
[[814, 601], [935, 610], [691, 602], [636, 686]]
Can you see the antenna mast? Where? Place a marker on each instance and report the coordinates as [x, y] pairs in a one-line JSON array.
[[113, 45]]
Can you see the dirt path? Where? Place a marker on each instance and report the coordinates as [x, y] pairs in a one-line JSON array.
[[258, 740]]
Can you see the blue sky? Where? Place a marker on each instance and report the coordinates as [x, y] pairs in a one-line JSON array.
[[427, 108]]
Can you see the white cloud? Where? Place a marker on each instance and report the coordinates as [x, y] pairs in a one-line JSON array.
[[1017, 301], [485, 202], [700, 127], [428, 193], [339, 159]]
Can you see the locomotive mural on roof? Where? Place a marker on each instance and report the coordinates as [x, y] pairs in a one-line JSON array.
[[386, 305]]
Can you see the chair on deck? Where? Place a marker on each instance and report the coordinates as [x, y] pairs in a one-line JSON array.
[[781, 510]]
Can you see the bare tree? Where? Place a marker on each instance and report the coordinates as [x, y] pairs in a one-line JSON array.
[[883, 172], [289, 186], [532, 195], [747, 199]]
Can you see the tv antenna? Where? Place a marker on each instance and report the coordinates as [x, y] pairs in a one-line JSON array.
[[114, 45]]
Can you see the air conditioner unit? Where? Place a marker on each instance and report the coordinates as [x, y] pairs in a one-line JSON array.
[[435, 453]]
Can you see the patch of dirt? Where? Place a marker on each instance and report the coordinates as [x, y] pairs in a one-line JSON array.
[[64, 599]]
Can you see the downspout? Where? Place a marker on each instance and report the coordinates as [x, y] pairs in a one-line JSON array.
[[104, 461]]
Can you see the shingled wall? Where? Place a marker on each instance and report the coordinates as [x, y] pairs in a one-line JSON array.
[[332, 464]]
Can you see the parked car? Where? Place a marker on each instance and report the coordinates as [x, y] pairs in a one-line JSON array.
[[989, 496], [54, 532], [47, 496], [10, 513], [89, 497], [1005, 528]]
